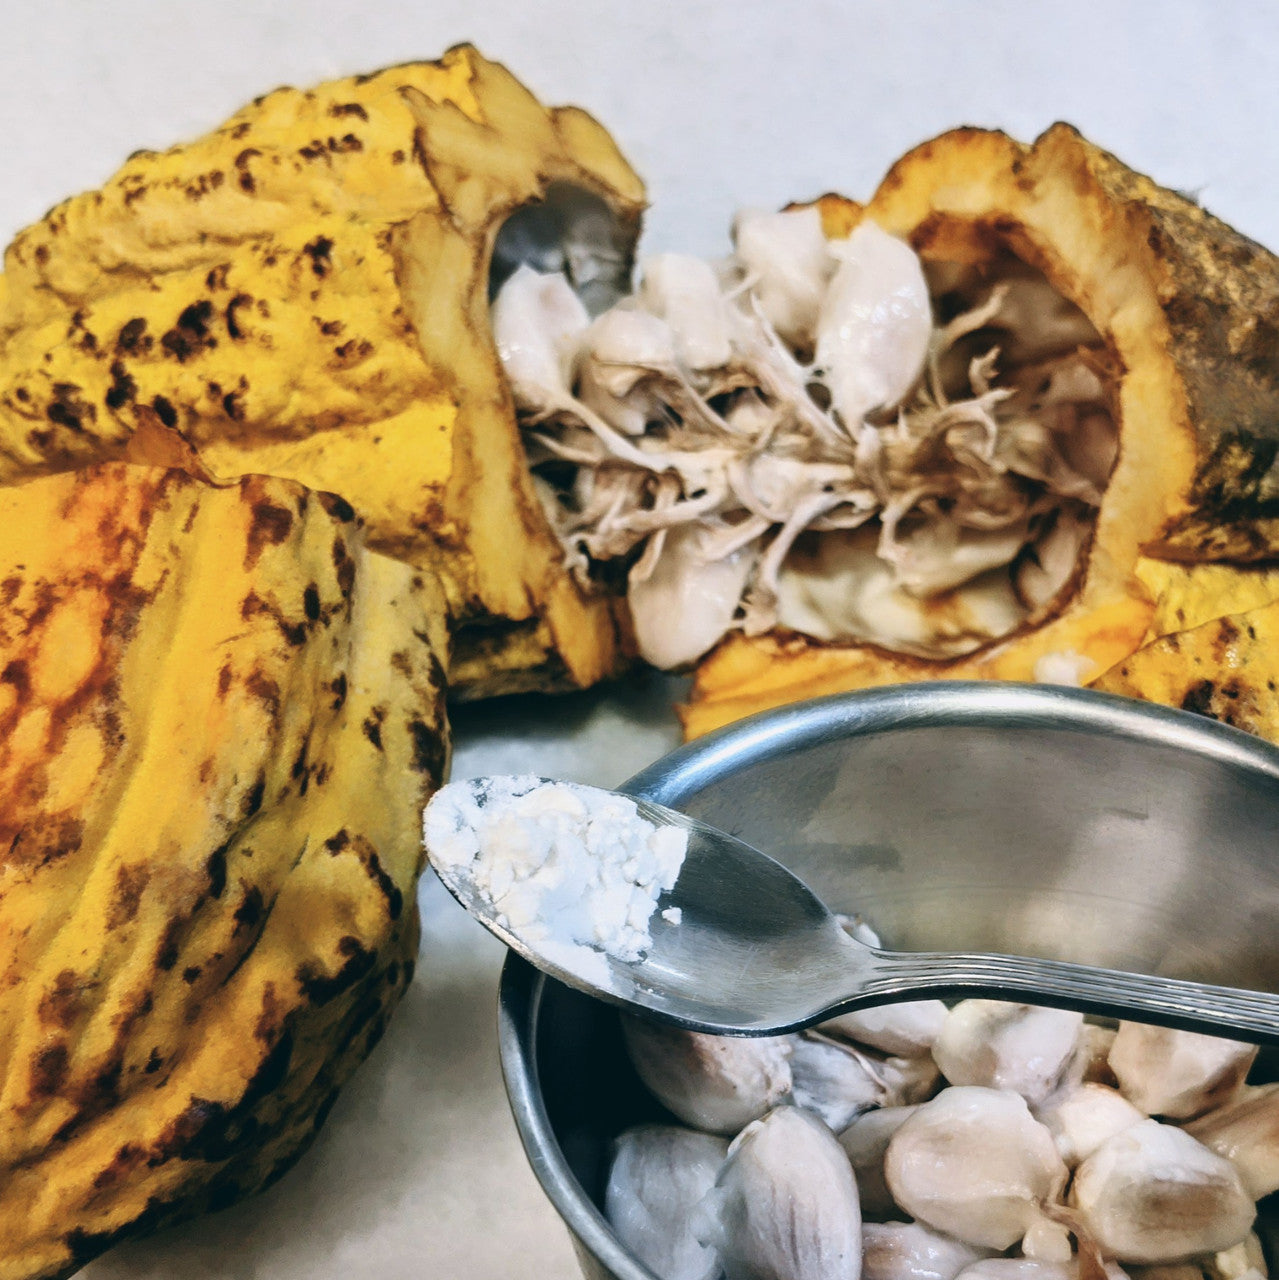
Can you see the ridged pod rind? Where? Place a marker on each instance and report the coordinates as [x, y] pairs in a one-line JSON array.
[[221, 715], [304, 293]]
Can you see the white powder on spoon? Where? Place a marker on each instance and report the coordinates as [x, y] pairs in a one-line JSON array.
[[573, 871]]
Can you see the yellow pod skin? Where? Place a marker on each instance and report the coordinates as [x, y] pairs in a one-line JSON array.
[[220, 715]]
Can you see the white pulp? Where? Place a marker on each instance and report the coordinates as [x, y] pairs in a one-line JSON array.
[[874, 324], [698, 432]]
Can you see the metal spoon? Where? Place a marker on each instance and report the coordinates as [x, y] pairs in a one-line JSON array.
[[755, 952]]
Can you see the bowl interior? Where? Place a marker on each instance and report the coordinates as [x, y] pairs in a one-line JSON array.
[[1007, 818]]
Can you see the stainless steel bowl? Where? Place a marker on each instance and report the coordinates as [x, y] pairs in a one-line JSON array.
[[1022, 818]]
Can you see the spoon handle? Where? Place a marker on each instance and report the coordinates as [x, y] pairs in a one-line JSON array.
[[1191, 1006]]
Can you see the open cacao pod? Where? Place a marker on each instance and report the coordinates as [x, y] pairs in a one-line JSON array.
[[1186, 311], [304, 293]]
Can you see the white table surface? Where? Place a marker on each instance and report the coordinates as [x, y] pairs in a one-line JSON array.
[[718, 103]]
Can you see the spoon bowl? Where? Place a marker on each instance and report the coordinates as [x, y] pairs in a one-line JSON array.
[[741, 946], [750, 941]]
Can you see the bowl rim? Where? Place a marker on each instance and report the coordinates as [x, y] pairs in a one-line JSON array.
[[854, 714]]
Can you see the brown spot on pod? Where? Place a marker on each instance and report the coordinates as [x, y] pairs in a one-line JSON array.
[[250, 911], [340, 509], [44, 841], [253, 606], [243, 176], [344, 565], [389, 889], [437, 673], [270, 1022], [69, 408], [133, 337], [320, 988], [320, 251], [130, 881], [233, 326], [428, 749], [338, 688], [167, 953], [165, 411], [125, 1160], [266, 690], [84, 1246], [269, 526], [215, 867], [16, 672], [102, 1090], [190, 335], [122, 389], [1199, 698], [49, 1070], [60, 1004], [253, 800], [352, 352]]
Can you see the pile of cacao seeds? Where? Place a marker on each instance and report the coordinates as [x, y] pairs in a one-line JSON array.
[[988, 1141]]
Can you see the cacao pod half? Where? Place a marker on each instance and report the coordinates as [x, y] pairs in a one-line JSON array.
[[1188, 311], [304, 293], [221, 715]]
